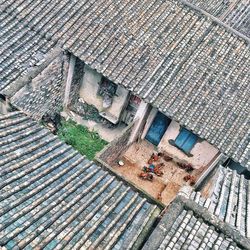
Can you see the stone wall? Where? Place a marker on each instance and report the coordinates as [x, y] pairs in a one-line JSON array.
[[76, 83], [43, 95], [113, 150]]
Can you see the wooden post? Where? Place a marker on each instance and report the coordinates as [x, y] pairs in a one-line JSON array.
[[140, 118], [72, 63]]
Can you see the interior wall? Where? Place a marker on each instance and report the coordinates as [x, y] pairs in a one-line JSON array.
[[119, 101], [89, 89], [139, 121], [203, 152]]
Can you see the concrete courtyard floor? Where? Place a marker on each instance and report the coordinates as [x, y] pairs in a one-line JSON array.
[[164, 188]]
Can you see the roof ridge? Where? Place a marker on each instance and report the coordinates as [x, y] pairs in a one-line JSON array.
[[228, 200], [210, 218], [180, 213], [216, 20]]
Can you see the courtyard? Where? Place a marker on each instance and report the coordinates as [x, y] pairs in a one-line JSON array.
[[173, 174]]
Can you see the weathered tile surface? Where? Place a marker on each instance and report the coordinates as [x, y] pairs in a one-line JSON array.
[[43, 95], [189, 226], [21, 48], [179, 60], [190, 232], [229, 199], [23, 54], [53, 198], [234, 13]]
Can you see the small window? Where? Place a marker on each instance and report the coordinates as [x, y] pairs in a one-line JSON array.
[[107, 88], [186, 140]]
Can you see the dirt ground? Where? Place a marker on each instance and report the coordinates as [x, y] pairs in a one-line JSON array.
[[163, 188]]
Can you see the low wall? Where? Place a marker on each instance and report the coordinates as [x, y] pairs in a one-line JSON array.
[[113, 150]]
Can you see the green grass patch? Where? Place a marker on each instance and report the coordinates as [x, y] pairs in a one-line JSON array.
[[80, 138]]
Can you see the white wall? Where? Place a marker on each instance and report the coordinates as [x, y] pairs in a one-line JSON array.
[[139, 120], [4, 107], [202, 152], [119, 101], [89, 89], [149, 121]]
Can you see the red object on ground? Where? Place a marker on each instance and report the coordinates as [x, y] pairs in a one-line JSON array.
[[146, 176]]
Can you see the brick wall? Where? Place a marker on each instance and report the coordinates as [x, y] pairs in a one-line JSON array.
[[113, 150]]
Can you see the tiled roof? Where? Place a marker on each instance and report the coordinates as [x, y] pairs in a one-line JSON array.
[[229, 200], [52, 198], [21, 48], [32, 69], [43, 95], [186, 225], [181, 61], [235, 13], [214, 7]]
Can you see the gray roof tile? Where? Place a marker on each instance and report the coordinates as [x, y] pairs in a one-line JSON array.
[[181, 61], [53, 198], [187, 225], [229, 199], [21, 48], [234, 13]]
